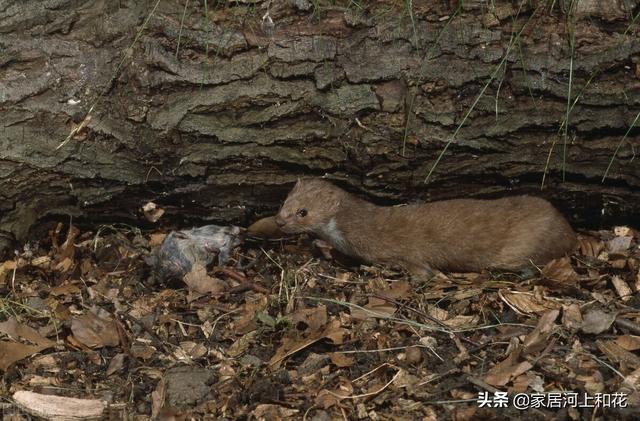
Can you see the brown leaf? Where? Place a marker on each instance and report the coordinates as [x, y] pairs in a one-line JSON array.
[[510, 368], [633, 380], [268, 411], [374, 308], [560, 270], [537, 339], [334, 332], [341, 360], [95, 329], [571, 316], [11, 352], [292, 345], [116, 363], [623, 290], [528, 303], [156, 239], [152, 212], [11, 327], [623, 231], [619, 245], [68, 248], [629, 342], [597, 321], [157, 398], [463, 321], [397, 291], [520, 383], [64, 265], [65, 289], [616, 353], [242, 344], [247, 321], [328, 398], [315, 318], [193, 350], [197, 280], [590, 246], [6, 267]]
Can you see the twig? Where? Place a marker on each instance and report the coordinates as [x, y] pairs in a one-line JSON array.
[[364, 395], [154, 338], [371, 371], [481, 384], [245, 284], [628, 324], [604, 363], [423, 314]]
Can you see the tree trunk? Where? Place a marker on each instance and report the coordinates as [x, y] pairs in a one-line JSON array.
[[212, 110]]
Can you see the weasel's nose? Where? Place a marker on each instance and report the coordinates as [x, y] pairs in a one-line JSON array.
[[279, 221]]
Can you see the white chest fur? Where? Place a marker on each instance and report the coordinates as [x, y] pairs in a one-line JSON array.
[[330, 233]]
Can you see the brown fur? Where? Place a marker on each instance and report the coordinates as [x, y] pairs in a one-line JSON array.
[[455, 235]]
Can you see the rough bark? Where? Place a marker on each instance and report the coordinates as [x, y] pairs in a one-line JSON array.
[[259, 93]]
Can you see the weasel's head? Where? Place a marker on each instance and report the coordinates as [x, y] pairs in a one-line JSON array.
[[310, 206]]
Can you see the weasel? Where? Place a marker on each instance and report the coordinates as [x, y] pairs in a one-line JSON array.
[[460, 235]]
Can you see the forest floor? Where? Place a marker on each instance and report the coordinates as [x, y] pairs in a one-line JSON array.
[[297, 336]]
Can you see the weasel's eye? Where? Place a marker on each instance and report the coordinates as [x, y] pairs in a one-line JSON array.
[[302, 212]]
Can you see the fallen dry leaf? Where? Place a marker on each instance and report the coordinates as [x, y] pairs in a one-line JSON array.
[[528, 303], [571, 316], [156, 239], [623, 231], [397, 290], [537, 339], [629, 342], [328, 398], [509, 368], [267, 411], [6, 267], [292, 345], [194, 350], [618, 354], [157, 398], [374, 308], [623, 290], [11, 327], [65, 289], [315, 317], [152, 212], [116, 363], [241, 345], [68, 248], [463, 321], [197, 280], [12, 352], [619, 245], [560, 270], [95, 329], [341, 359], [590, 246], [597, 321]]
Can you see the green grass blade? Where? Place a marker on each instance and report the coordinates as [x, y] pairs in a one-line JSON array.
[[615, 153]]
